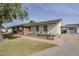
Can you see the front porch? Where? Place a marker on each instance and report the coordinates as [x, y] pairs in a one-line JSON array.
[[21, 30]]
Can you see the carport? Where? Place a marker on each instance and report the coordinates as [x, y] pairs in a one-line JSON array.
[[69, 29]]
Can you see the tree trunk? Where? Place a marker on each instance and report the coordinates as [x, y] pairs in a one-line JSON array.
[[1, 36]]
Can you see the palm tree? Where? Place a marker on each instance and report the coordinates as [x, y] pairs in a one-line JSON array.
[[10, 12]]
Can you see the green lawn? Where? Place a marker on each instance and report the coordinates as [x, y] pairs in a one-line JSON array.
[[21, 47]]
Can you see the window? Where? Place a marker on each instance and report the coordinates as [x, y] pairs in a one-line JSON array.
[[37, 28], [45, 27], [71, 28]]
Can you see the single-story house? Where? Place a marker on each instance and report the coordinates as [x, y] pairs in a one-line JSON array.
[[52, 27], [71, 28]]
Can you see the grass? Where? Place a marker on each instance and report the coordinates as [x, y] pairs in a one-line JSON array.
[[19, 47]]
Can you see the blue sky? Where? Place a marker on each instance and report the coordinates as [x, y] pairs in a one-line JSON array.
[[44, 12]]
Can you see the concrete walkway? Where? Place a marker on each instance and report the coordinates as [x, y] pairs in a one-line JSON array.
[[69, 47]]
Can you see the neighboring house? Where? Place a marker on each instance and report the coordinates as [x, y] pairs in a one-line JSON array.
[[52, 27], [6, 30], [71, 28]]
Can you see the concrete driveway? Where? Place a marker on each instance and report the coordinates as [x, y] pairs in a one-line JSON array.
[[69, 47]]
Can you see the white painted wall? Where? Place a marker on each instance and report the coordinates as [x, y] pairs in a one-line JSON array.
[[55, 28], [59, 27], [77, 29], [52, 29], [33, 29]]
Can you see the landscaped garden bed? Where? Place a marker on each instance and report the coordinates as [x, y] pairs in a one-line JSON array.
[[45, 36]]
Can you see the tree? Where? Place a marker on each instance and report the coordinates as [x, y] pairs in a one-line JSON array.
[[10, 12], [32, 21]]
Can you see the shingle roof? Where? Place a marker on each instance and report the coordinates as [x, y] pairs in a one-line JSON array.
[[42, 23], [68, 26], [46, 22], [74, 25]]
